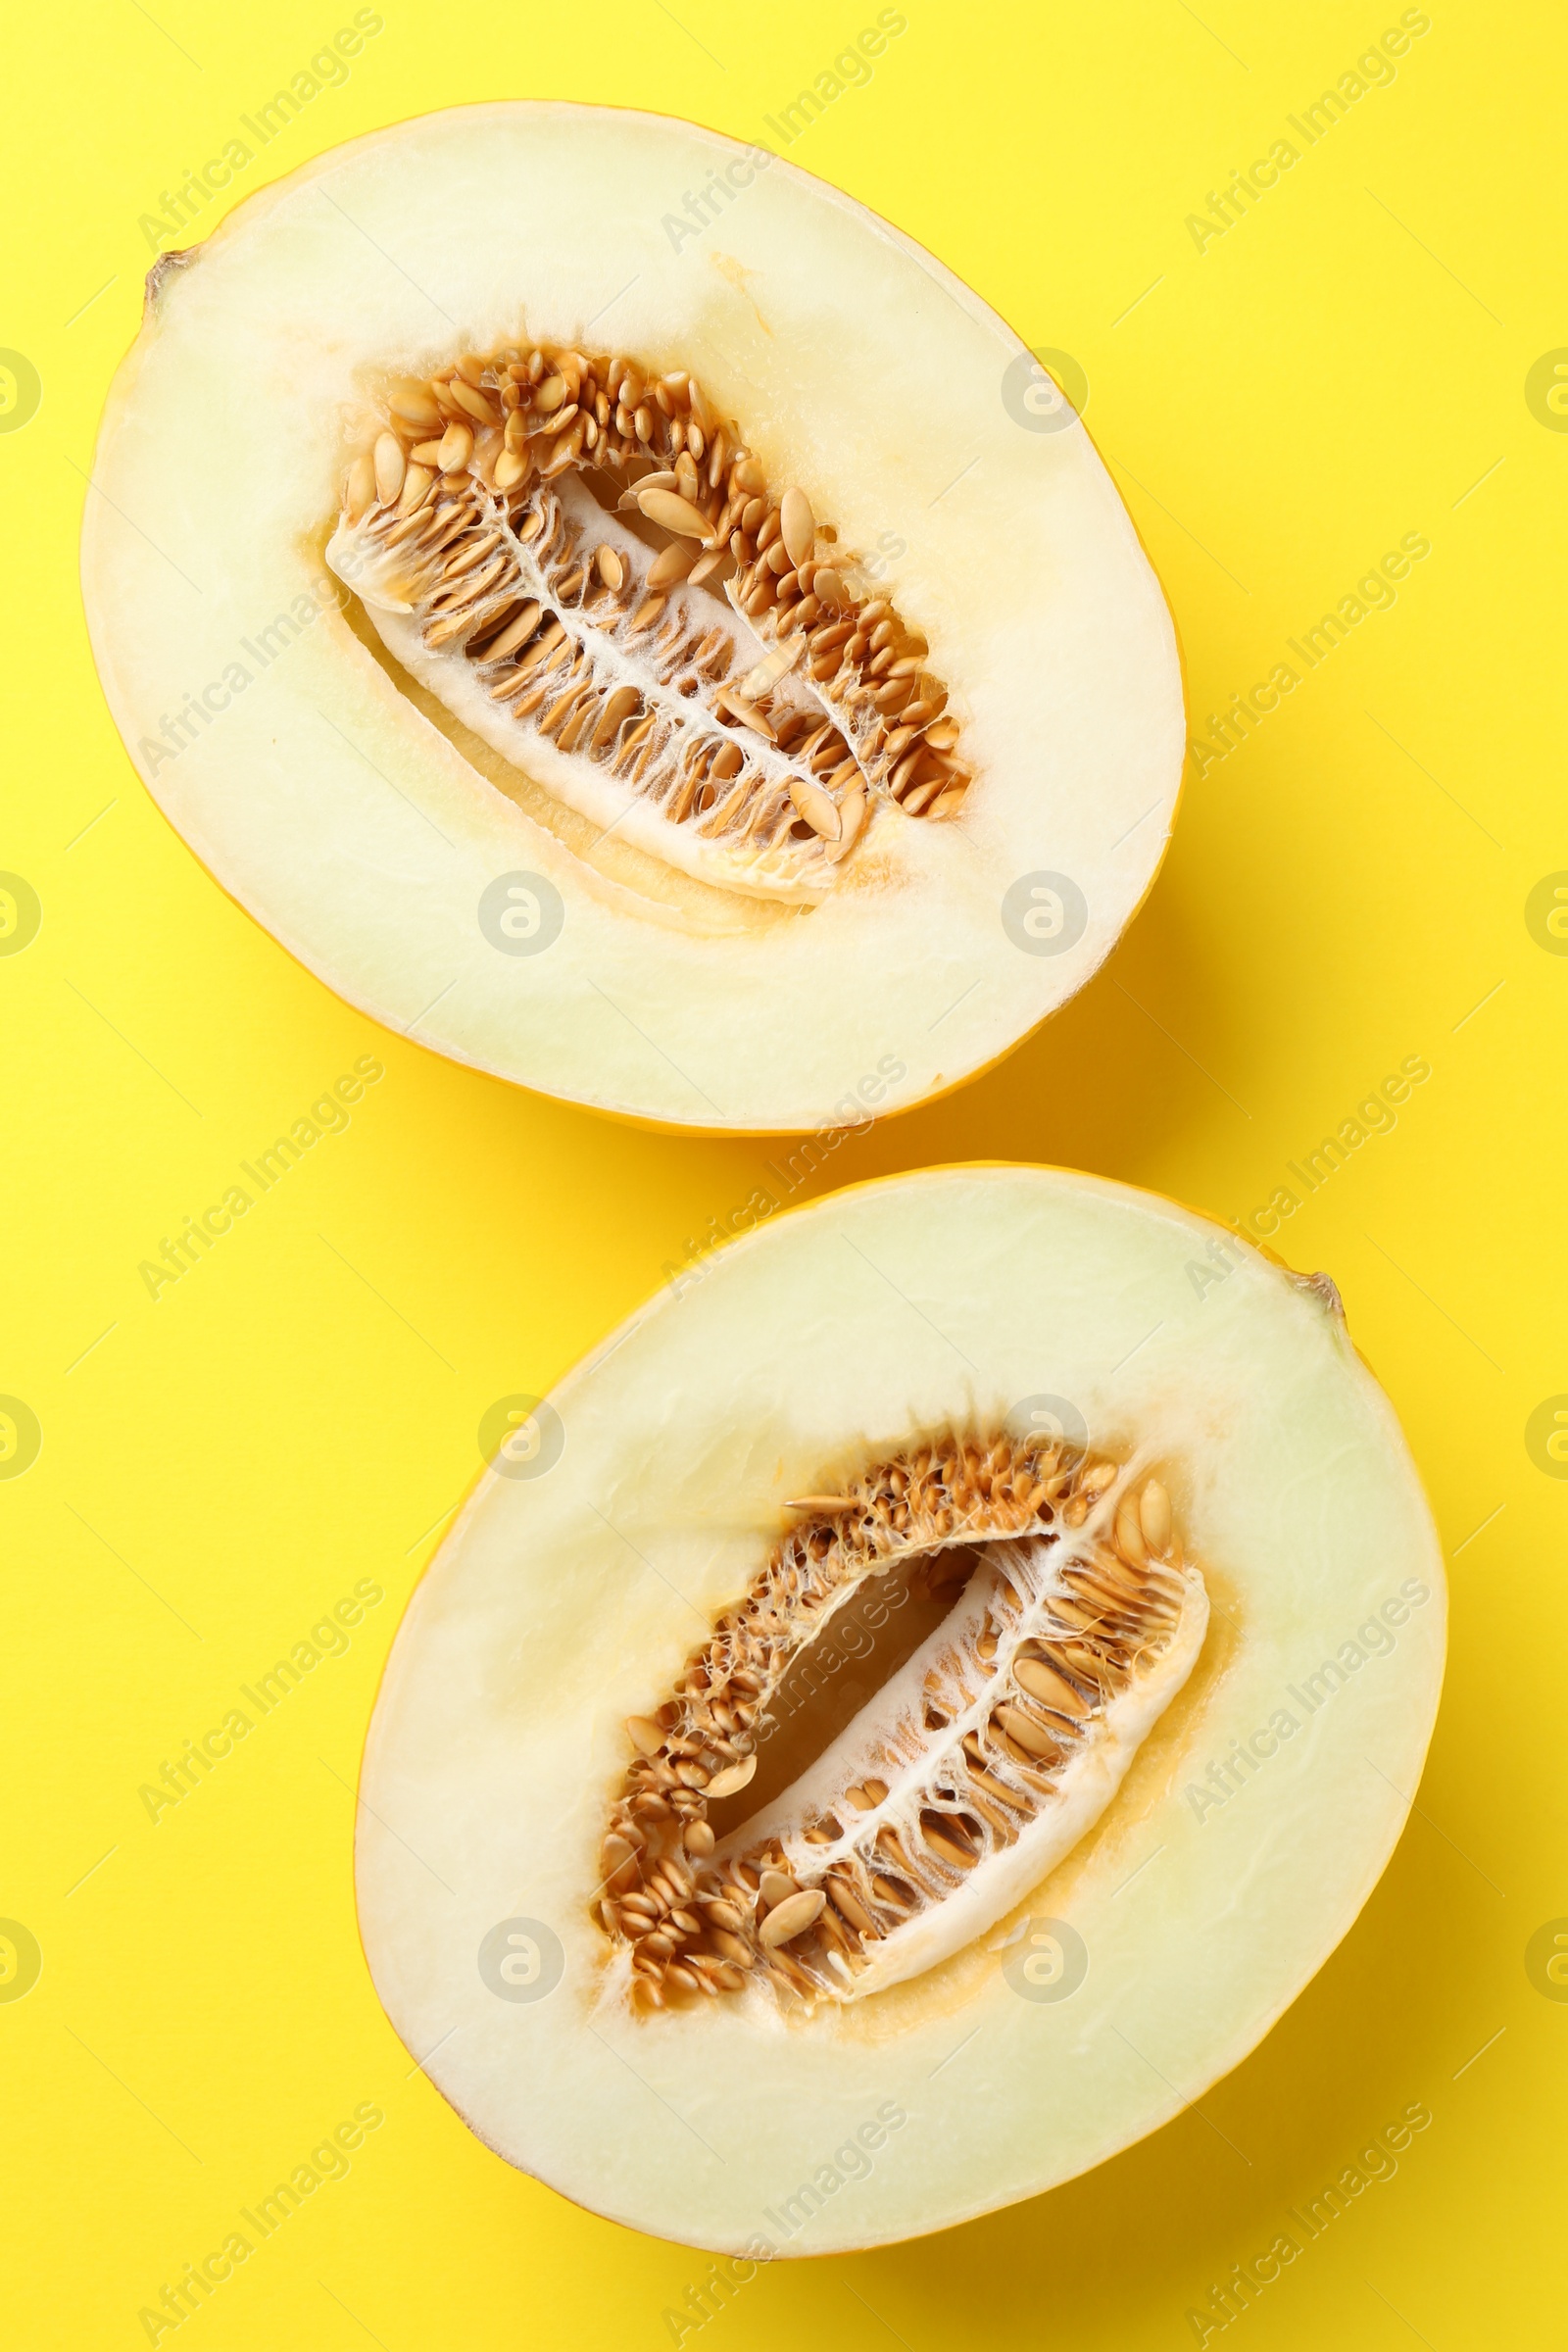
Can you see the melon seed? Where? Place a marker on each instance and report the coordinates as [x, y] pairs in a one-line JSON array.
[[791, 1918]]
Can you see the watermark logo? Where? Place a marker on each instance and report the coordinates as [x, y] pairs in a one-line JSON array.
[[1547, 914], [521, 1960], [1045, 915], [328, 1114], [853, 1114], [847, 1634], [1546, 391], [1547, 1960], [522, 913], [21, 1960], [21, 391], [195, 2285], [1228, 1775], [180, 1775], [325, 71], [1050, 1962], [1374, 592], [1546, 1437], [177, 730], [21, 913], [1055, 1417], [21, 1437], [1377, 1113], [1244, 2281], [1373, 69], [522, 1437], [1045, 391], [1223, 1255]]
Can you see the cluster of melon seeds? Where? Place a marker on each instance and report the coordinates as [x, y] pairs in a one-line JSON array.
[[585, 563], [980, 1763]]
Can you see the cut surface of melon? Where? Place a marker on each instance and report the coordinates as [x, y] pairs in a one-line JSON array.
[[943, 1686], [577, 649]]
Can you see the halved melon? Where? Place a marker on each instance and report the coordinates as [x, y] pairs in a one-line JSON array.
[[680, 653], [903, 1717]]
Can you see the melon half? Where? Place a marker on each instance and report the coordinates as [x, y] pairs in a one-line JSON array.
[[903, 1717], [627, 618]]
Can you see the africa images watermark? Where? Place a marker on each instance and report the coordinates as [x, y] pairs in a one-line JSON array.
[[850, 70], [327, 1115], [1375, 1115], [853, 1114], [328, 2161], [177, 733], [1229, 1775], [329, 1638], [326, 69], [1373, 69], [847, 1637], [1374, 592], [853, 2161], [1379, 2160]]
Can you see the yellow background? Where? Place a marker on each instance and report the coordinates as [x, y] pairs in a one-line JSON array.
[[1344, 365]]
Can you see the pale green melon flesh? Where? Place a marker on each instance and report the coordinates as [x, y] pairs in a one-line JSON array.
[[563, 1603], [364, 833]]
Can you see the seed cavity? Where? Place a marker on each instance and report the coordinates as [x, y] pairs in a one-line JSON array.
[[1067, 1618], [726, 699]]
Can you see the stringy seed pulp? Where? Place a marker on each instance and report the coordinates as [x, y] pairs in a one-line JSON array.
[[981, 1762], [583, 560]]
